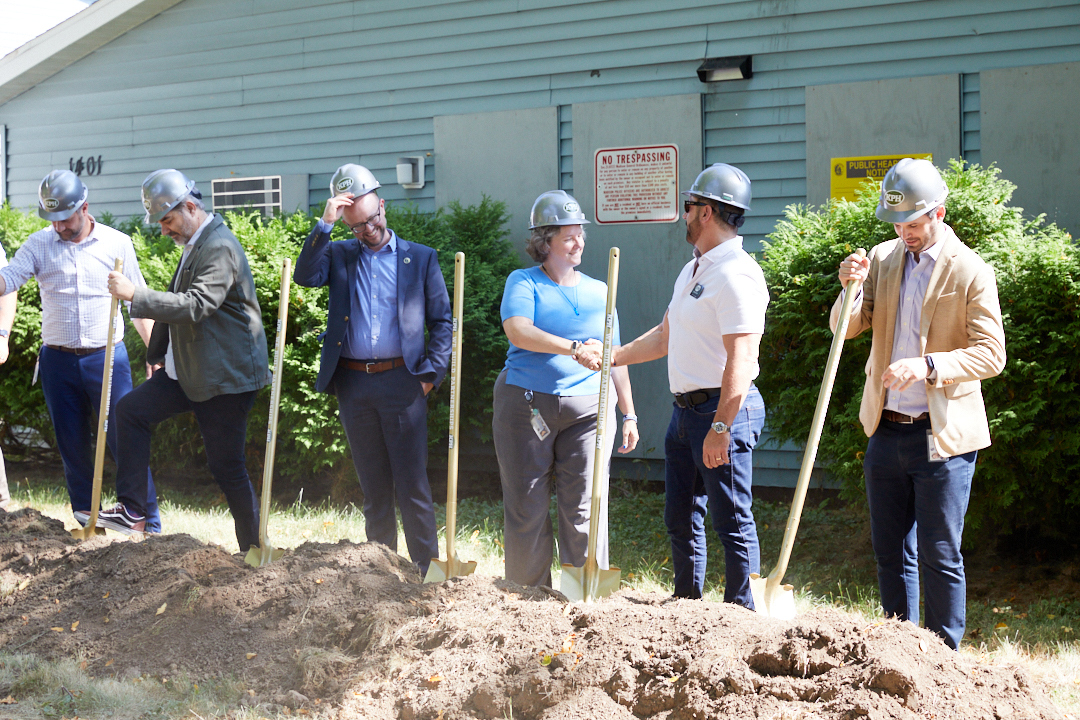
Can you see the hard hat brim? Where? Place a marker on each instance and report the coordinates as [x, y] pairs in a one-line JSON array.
[[59, 215], [560, 223], [899, 217], [693, 193]]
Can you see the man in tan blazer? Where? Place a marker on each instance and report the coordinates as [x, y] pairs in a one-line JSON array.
[[937, 334]]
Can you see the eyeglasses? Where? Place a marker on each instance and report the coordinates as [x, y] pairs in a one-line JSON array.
[[369, 223], [687, 204]]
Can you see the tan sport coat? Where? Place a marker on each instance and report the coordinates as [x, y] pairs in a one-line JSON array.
[[960, 329]]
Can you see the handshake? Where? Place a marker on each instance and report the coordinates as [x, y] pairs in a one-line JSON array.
[[590, 354]]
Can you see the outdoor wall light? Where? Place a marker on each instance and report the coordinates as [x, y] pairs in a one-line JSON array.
[[410, 171], [738, 67]]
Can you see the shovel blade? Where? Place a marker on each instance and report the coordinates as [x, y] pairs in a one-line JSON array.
[[87, 533], [588, 584], [440, 570], [259, 556], [772, 598]]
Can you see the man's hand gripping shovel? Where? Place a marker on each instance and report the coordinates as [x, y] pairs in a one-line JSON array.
[[265, 554], [771, 597], [440, 570], [91, 529], [590, 583]]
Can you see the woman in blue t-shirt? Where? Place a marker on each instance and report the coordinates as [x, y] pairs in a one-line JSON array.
[[544, 424]]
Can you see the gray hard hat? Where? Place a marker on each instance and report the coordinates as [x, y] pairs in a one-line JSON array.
[[162, 190], [61, 194], [355, 179], [911, 188], [723, 183], [556, 207]]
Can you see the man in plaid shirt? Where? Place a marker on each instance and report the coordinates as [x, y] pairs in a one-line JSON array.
[[71, 261]]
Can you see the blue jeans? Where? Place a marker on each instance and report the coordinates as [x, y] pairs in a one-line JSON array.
[[385, 419], [690, 488], [223, 423], [72, 387], [917, 512]]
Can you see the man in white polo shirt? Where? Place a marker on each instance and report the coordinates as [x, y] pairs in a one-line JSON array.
[[710, 335]]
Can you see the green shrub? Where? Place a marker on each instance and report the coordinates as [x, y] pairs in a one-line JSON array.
[[1025, 478], [310, 438]]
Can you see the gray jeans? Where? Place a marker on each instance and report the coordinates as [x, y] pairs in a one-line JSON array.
[[530, 468]]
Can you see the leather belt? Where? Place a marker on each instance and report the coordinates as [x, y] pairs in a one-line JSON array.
[[371, 367], [76, 351], [903, 419], [695, 397]]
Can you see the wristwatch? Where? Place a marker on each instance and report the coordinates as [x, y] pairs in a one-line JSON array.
[[4, 333], [720, 427], [574, 345]]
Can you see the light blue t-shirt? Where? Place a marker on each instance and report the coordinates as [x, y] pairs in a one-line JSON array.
[[532, 294]]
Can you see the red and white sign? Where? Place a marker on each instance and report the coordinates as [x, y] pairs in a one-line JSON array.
[[637, 184]]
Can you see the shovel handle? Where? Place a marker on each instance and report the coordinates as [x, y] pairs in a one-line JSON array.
[[275, 401], [455, 405], [810, 452], [103, 414], [592, 569]]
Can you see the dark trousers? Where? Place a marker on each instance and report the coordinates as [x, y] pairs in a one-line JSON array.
[[917, 512], [692, 490], [385, 419], [223, 423], [72, 387]]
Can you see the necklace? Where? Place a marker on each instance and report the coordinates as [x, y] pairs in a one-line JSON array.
[[573, 303]]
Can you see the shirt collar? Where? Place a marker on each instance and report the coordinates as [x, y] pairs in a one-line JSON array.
[[88, 238], [392, 245], [199, 231], [720, 251]]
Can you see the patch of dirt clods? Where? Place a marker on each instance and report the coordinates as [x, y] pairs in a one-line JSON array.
[[351, 625]]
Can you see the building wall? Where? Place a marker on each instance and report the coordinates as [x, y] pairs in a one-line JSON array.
[[222, 88]]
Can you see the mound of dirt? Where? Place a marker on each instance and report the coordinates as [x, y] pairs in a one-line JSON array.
[[352, 626]]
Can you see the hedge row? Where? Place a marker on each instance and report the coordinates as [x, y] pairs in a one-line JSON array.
[[1026, 480], [310, 438]]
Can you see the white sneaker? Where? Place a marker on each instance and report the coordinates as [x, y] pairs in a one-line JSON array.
[[82, 517]]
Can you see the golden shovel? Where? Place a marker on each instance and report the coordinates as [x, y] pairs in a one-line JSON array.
[[440, 570], [91, 529], [590, 583], [265, 553], [770, 596]]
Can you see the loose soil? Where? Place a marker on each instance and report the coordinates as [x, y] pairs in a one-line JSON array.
[[348, 631]]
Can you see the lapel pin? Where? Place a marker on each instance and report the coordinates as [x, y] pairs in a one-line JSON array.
[[408, 260]]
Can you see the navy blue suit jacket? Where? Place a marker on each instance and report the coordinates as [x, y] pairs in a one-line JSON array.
[[422, 301]]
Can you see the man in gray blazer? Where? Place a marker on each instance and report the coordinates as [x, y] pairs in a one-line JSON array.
[[209, 338]]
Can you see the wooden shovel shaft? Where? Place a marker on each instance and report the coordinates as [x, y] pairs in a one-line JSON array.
[[103, 411], [455, 406], [275, 401], [810, 453], [591, 566]]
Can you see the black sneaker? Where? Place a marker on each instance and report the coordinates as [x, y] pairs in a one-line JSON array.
[[122, 520]]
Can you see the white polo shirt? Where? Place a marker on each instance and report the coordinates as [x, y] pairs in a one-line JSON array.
[[726, 296]]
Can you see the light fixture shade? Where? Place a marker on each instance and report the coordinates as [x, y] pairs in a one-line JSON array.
[[410, 171], [736, 67]]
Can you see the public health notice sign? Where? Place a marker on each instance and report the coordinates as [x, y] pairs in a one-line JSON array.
[[637, 184], [850, 173]]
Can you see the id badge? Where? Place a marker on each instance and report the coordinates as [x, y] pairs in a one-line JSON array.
[[538, 425], [931, 450]]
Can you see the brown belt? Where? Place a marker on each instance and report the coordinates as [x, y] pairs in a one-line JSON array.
[[371, 367], [901, 418], [76, 351]]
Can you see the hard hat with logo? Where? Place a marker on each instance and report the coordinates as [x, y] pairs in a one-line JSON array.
[[355, 179], [911, 188], [723, 183], [556, 207], [61, 194], [162, 190]]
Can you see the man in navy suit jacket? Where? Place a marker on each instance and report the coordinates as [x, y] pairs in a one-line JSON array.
[[383, 292]]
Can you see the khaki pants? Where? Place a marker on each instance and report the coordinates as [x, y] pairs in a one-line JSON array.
[[531, 468]]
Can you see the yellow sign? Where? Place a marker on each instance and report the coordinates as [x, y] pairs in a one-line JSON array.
[[849, 173]]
